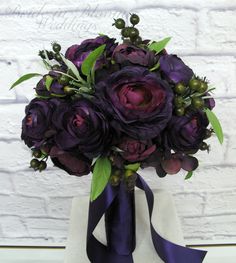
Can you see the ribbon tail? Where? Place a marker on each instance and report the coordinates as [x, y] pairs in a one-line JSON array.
[[168, 251], [96, 251]]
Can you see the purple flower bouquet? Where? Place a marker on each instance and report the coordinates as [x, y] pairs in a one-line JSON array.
[[112, 109]]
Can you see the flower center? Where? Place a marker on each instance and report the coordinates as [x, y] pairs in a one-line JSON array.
[[78, 120], [29, 120]]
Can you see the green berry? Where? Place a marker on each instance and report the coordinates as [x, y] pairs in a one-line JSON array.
[[50, 55], [114, 180], [42, 166], [41, 54], [197, 102], [138, 41], [119, 23], [134, 19], [134, 33], [194, 84], [58, 57], [180, 88], [203, 87], [68, 90], [34, 163], [203, 146], [56, 47], [63, 80], [180, 111], [37, 153], [125, 32], [178, 101]]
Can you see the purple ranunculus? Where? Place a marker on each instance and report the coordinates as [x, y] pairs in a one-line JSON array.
[[128, 54], [78, 53], [185, 134], [36, 125], [134, 150], [72, 163], [81, 126], [55, 88], [174, 69], [139, 102]]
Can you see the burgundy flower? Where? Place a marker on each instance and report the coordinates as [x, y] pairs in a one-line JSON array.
[[81, 126], [128, 54], [174, 69], [72, 163], [134, 150], [36, 125], [139, 102], [78, 53], [185, 134]]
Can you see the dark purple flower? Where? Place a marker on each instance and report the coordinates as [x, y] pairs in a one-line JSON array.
[[72, 163], [36, 125], [81, 126], [55, 87], [174, 69], [77, 53], [210, 102], [128, 54], [134, 150], [139, 102], [185, 134]]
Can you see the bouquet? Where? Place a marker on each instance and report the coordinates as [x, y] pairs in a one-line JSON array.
[[111, 109]]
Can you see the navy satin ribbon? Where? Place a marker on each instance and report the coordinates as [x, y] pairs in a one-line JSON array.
[[121, 235]]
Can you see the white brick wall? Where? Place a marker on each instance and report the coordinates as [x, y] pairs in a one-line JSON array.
[[34, 208]]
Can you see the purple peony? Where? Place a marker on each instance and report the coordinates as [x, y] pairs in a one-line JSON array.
[[72, 163], [128, 54], [78, 53], [185, 134], [36, 125], [174, 69], [82, 127], [134, 150], [139, 102], [55, 88]]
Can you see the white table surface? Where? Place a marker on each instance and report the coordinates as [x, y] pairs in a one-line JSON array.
[[216, 254]]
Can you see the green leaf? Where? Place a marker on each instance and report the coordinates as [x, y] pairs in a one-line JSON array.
[[24, 78], [72, 67], [91, 59], [189, 175], [132, 166], [101, 175], [48, 82], [215, 123], [160, 45]]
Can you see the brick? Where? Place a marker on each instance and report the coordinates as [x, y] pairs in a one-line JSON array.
[[220, 202], [8, 73], [20, 205], [179, 24], [47, 227], [10, 120], [217, 31], [59, 207], [13, 226]]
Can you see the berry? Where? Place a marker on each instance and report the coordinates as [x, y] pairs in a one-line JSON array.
[[34, 163], [119, 23], [180, 111], [194, 84], [180, 88], [138, 41], [203, 87], [125, 32], [56, 47], [203, 146], [197, 102], [134, 19], [42, 166], [133, 33], [56, 67], [68, 90], [58, 57], [37, 153], [114, 180], [63, 80], [50, 55], [178, 101], [41, 54]]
